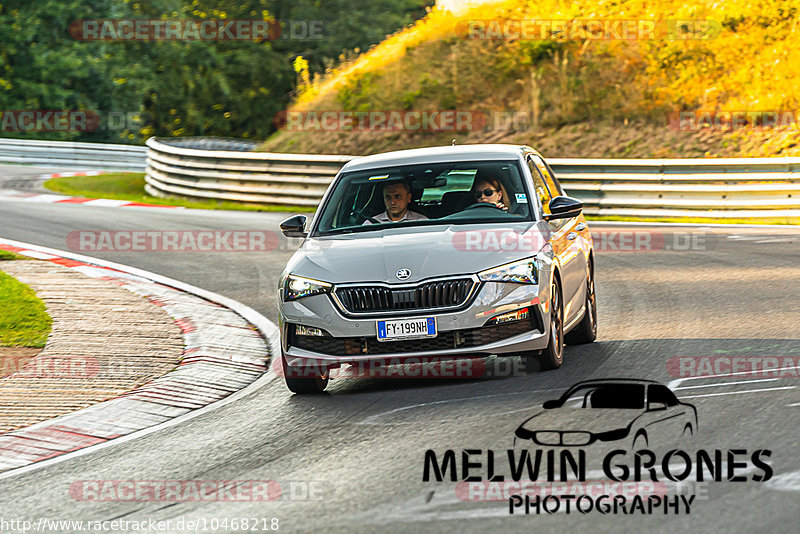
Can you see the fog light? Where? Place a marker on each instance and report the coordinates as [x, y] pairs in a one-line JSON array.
[[517, 315], [301, 330]]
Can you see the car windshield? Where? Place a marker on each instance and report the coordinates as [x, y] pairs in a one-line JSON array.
[[426, 194], [614, 396]]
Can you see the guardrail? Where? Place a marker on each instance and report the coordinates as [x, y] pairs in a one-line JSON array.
[[71, 155], [723, 188], [175, 168]]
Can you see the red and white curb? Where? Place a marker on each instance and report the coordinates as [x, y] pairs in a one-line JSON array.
[[224, 357], [48, 198]]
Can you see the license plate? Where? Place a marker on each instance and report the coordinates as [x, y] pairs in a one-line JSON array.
[[406, 329]]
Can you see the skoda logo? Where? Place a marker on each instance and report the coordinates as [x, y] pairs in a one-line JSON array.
[[403, 274]]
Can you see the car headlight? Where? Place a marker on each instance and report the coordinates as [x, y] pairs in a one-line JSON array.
[[520, 272], [297, 287], [613, 435]]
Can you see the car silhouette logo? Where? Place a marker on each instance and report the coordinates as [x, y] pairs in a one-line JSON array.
[[639, 411], [403, 274]]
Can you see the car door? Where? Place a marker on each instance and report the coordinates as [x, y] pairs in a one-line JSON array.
[[567, 245], [668, 416]]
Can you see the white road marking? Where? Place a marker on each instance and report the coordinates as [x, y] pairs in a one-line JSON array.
[[785, 482], [735, 392], [782, 240], [371, 420], [728, 383], [36, 254]]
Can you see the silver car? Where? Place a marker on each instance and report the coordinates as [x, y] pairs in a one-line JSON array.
[[448, 252]]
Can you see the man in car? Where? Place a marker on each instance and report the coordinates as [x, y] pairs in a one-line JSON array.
[[396, 197]]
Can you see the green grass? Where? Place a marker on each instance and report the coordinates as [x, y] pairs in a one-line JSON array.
[[8, 255], [694, 220], [130, 186], [24, 322]]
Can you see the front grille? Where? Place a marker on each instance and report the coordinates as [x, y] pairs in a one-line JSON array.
[[427, 296], [454, 339], [568, 438]]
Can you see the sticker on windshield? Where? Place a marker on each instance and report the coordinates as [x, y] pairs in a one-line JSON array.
[[381, 177], [521, 198]]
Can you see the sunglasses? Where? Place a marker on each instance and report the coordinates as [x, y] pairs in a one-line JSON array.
[[485, 193]]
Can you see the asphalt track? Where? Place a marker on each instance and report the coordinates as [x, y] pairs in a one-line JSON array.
[[360, 447]]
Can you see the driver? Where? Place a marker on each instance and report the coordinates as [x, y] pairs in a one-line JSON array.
[[396, 197], [491, 191]]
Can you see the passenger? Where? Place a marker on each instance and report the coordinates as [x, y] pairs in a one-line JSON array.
[[396, 197], [491, 191]]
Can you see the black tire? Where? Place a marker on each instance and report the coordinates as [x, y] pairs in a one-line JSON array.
[[585, 331], [304, 384], [553, 355]]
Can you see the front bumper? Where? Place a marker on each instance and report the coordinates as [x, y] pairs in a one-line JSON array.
[[463, 333]]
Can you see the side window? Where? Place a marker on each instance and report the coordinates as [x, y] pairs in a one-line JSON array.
[[540, 186], [661, 394], [550, 180]]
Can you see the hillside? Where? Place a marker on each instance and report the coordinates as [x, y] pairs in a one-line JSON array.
[[710, 80]]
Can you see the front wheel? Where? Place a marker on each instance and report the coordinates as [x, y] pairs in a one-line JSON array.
[[585, 331], [305, 380], [553, 355]]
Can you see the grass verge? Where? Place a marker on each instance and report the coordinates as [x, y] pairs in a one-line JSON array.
[[130, 186], [24, 321], [8, 255]]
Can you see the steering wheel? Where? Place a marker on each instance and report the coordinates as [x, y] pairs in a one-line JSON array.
[[478, 205], [367, 217]]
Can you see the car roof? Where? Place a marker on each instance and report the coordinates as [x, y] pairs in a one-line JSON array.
[[437, 154], [615, 381]]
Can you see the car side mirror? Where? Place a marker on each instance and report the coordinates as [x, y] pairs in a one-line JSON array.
[[656, 406], [294, 226], [564, 208], [549, 405]]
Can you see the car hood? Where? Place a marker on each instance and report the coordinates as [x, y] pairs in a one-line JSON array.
[[593, 420], [427, 251]]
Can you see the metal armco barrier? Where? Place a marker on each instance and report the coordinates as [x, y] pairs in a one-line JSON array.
[[720, 188], [238, 175], [70, 155]]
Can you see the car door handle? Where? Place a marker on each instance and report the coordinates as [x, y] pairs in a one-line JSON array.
[[571, 236], [581, 227]]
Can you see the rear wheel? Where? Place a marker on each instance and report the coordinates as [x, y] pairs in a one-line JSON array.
[[305, 380], [586, 330], [553, 355]]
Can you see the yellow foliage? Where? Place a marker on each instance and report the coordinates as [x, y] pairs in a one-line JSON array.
[[748, 60]]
